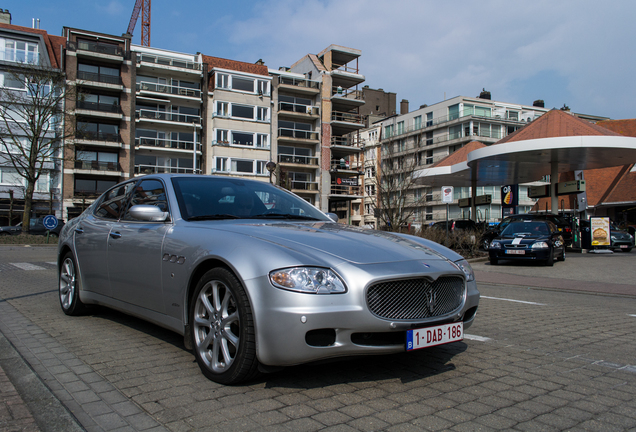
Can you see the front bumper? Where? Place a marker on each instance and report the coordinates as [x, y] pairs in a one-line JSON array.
[[294, 328], [529, 254]]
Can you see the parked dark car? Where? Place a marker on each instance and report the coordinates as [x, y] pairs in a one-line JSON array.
[[562, 224], [620, 240], [36, 227], [456, 224], [528, 240]]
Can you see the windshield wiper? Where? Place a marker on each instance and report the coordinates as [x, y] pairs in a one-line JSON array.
[[281, 216], [213, 217]]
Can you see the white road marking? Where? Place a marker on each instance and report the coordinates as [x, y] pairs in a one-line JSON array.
[[52, 263], [27, 266], [477, 338], [511, 300], [632, 315]]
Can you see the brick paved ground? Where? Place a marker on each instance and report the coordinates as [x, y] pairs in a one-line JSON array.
[[558, 361]]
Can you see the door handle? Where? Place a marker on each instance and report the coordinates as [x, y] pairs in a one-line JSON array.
[[115, 235]]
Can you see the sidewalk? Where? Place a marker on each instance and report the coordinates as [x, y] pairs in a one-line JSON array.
[[14, 412]]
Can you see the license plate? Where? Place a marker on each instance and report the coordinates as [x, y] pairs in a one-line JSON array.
[[624, 246], [432, 336], [515, 252]]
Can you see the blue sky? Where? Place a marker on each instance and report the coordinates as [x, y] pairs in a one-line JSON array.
[[574, 52]]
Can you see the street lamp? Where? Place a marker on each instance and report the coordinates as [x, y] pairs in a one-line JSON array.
[[271, 166]]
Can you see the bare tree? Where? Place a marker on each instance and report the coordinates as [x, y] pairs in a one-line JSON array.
[[31, 133], [396, 197]]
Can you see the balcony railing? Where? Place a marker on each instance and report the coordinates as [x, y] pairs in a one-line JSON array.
[[96, 77], [346, 117], [448, 118], [168, 116], [297, 133], [97, 47], [97, 165], [168, 89], [166, 143], [346, 93], [98, 106], [97, 136], [345, 68], [298, 108], [304, 185], [346, 190], [299, 82], [169, 61], [341, 141], [153, 169], [296, 159]]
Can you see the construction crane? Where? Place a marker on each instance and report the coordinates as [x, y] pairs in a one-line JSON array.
[[144, 7]]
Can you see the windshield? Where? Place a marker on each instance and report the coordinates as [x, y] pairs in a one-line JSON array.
[[526, 229], [210, 198]]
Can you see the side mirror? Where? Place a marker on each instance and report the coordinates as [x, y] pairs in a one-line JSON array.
[[333, 217], [148, 213]]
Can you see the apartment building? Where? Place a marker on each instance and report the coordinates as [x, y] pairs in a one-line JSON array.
[[100, 69], [341, 166], [22, 48], [431, 133], [296, 131], [170, 95], [238, 118]]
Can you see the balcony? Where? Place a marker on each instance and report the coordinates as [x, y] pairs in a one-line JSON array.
[[103, 51], [153, 169], [100, 80], [297, 134], [298, 85], [346, 99], [163, 116], [107, 110], [148, 87], [298, 160], [97, 136], [303, 186], [168, 62], [110, 167], [169, 144], [289, 109], [343, 123], [346, 191]]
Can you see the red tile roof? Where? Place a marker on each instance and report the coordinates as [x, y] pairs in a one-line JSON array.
[[557, 123], [460, 155], [53, 43], [236, 65]]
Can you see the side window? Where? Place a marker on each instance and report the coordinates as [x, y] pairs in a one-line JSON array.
[[148, 192], [113, 201]]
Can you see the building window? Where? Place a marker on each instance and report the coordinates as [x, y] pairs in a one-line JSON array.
[[512, 115], [221, 164], [429, 213], [429, 119], [429, 157], [222, 136], [222, 81], [262, 141], [261, 114], [388, 131], [222, 109], [453, 112], [400, 128], [263, 87], [19, 51], [429, 138], [243, 84], [417, 122]]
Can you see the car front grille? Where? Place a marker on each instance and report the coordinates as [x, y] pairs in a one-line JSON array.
[[412, 299]]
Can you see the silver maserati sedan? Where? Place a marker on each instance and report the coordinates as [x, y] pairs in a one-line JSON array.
[[256, 278]]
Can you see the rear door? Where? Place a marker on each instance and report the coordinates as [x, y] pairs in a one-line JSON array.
[[91, 238]]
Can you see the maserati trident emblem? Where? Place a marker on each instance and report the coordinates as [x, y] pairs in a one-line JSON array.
[[430, 300]]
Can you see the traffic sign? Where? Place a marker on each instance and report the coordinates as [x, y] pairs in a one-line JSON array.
[[50, 222]]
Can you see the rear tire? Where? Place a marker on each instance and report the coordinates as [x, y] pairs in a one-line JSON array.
[[69, 287], [222, 326]]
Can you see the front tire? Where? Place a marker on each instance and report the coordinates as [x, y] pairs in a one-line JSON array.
[[223, 328], [493, 261], [550, 261], [69, 287]]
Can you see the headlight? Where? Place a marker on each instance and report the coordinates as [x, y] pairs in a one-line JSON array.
[[495, 245], [540, 245], [312, 280], [466, 268], [613, 237]]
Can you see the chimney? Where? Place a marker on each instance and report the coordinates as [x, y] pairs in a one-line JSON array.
[[260, 62], [5, 16], [404, 106], [539, 103], [485, 94]]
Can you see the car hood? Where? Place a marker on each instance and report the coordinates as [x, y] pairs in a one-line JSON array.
[[352, 244]]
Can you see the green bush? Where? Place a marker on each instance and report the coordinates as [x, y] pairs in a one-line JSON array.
[[465, 243]]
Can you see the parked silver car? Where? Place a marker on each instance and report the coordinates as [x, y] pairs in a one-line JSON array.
[[256, 278]]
